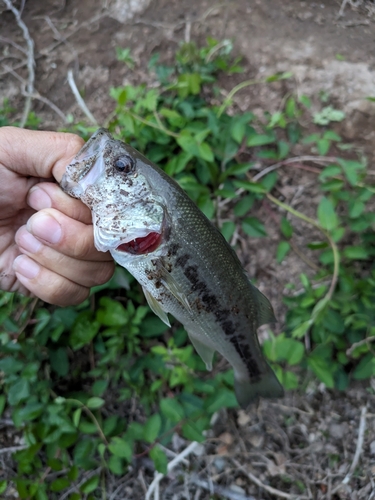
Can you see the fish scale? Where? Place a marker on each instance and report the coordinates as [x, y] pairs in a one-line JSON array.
[[191, 272]]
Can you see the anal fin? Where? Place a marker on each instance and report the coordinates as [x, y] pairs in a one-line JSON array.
[[205, 352]]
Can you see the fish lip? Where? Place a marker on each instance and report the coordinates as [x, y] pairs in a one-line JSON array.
[[77, 176], [154, 246]]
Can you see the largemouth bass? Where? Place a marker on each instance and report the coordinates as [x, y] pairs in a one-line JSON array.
[[185, 266]]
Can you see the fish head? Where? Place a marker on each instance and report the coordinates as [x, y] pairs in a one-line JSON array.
[[110, 178]]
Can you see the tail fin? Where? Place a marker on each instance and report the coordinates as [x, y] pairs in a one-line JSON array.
[[249, 392]]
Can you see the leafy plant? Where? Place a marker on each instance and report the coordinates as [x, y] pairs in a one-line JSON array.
[[94, 387]]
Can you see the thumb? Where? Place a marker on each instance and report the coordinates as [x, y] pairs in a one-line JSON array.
[[37, 154]]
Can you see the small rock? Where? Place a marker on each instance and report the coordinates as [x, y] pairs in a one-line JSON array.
[[372, 447], [237, 489], [226, 438], [256, 437], [243, 418], [337, 431], [219, 464], [304, 16]]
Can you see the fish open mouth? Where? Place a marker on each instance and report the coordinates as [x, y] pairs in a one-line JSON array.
[[142, 245]]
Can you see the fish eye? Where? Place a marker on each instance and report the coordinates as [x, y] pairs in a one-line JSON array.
[[124, 164]]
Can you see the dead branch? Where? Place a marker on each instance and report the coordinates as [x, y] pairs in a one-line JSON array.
[[14, 44], [270, 489], [354, 346], [81, 103], [12, 449], [215, 489], [36, 95], [320, 160], [359, 447], [30, 61], [154, 486]]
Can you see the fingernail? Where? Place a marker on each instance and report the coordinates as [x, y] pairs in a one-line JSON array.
[[27, 241], [26, 266], [38, 199], [45, 227]]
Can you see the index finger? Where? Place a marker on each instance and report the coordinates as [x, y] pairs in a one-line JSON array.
[[36, 153], [49, 195]]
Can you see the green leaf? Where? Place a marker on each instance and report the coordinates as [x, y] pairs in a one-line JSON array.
[[260, 140], [95, 403], [152, 428], [222, 398], [2, 403], [301, 329], [3, 486], [172, 409], [286, 228], [322, 370], [365, 368], [59, 361], [328, 114], [282, 250], [83, 331], [115, 465], [327, 215], [283, 149], [237, 169], [10, 365], [331, 171], [192, 432], [160, 460], [120, 448], [205, 152], [351, 169], [356, 208], [269, 181], [323, 146], [111, 313], [227, 229], [19, 391], [244, 205], [253, 227], [90, 485], [77, 416], [355, 253], [289, 349], [253, 187], [60, 484]]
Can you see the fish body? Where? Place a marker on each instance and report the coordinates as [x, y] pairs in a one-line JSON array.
[[185, 266]]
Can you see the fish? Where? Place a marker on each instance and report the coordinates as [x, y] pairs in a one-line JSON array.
[[185, 266]]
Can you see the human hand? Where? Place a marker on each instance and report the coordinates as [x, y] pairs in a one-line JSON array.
[[46, 237]]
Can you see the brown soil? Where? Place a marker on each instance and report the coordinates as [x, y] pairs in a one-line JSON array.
[[306, 444]]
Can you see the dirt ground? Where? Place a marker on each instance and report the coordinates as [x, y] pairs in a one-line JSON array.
[[306, 443]]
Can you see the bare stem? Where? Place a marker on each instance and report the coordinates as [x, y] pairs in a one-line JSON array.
[[30, 61]]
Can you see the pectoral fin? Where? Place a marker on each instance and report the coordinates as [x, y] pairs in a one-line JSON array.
[[205, 352], [173, 287], [156, 307]]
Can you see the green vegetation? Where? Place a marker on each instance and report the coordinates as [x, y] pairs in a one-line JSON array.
[[95, 386]]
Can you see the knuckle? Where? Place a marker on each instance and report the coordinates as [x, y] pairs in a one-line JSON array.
[[103, 273], [83, 245], [67, 293]]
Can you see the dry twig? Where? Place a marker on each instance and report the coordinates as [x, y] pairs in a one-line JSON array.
[[270, 489], [12, 449], [354, 346], [154, 486], [359, 447], [30, 61], [81, 103], [219, 490], [320, 160]]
